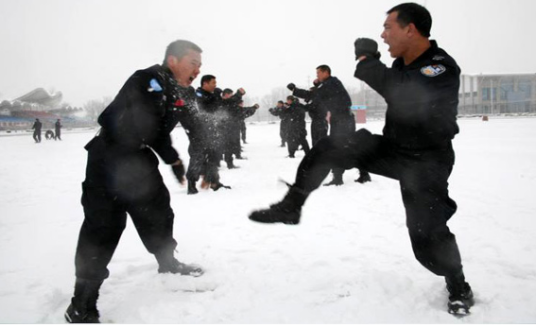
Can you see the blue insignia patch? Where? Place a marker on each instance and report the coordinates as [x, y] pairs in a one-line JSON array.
[[154, 86], [199, 94], [433, 70]]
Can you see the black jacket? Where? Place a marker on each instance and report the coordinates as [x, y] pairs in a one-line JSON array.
[[37, 126], [422, 98], [296, 116], [145, 111], [330, 95]]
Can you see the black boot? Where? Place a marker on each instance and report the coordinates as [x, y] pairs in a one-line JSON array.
[[461, 297], [363, 178], [288, 211], [168, 264], [83, 307], [216, 186], [191, 187]]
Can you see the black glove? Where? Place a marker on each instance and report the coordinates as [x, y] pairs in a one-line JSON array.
[[178, 170], [366, 47], [217, 92], [291, 87]]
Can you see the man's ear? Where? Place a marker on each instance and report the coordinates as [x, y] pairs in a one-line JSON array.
[[412, 30], [171, 61]]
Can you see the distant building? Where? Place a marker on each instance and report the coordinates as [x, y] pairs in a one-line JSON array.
[[497, 94]]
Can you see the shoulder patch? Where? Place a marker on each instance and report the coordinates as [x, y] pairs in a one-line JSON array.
[[438, 58], [154, 86], [433, 70], [199, 94]]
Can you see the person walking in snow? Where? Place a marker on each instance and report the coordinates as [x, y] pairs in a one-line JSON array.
[[421, 90], [57, 127], [37, 130], [122, 173]]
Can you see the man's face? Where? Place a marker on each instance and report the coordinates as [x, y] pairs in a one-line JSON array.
[[226, 95], [395, 36], [186, 69], [279, 104], [210, 86], [321, 75]]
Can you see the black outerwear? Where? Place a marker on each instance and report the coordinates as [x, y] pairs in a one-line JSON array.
[[416, 150], [285, 120], [37, 131], [296, 130], [422, 98], [122, 173]]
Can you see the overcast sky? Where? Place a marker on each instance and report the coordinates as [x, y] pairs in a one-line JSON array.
[[88, 48]]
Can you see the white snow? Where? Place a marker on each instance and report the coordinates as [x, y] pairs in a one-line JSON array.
[[349, 261]]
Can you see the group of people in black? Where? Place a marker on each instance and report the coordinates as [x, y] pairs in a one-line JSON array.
[[415, 148], [222, 115], [49, 134], [327, 95]]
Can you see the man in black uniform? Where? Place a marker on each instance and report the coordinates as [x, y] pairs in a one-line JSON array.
[[421, 90], [122, 173], [330, 95], [319, 123], [283, 127], [231, 132], [57, 127], [37, 130], [205, 153], [297, 133]]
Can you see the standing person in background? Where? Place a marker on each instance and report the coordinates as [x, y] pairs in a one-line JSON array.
[[330, 95], [421, 90], [205, 153], [57, 127], [318, 114], [283, 126], [231, 136], [37, 130], [297, 133], [122, 174]]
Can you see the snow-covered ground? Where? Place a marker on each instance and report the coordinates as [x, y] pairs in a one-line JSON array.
[[349, 261]]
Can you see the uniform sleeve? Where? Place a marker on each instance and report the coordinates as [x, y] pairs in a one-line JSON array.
[[303, 94], [430, 82]]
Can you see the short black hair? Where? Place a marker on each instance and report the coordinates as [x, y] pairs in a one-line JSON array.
[[280, 101], [324, 68], [179, 49], [227, 91], [292, 98], [207, 78], [414, 13]]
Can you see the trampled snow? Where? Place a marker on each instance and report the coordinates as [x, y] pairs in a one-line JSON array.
[[349, 261]]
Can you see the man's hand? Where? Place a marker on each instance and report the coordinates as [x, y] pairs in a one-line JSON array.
[[256, 106], [291, 87], [178, 169], [366, 47], [242, 91]]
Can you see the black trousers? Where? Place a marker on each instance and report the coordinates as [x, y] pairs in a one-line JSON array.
[[423, 177], [198, 160], [319, 129], [146, 200], [341, 130], [294, 141], [37, 136]]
